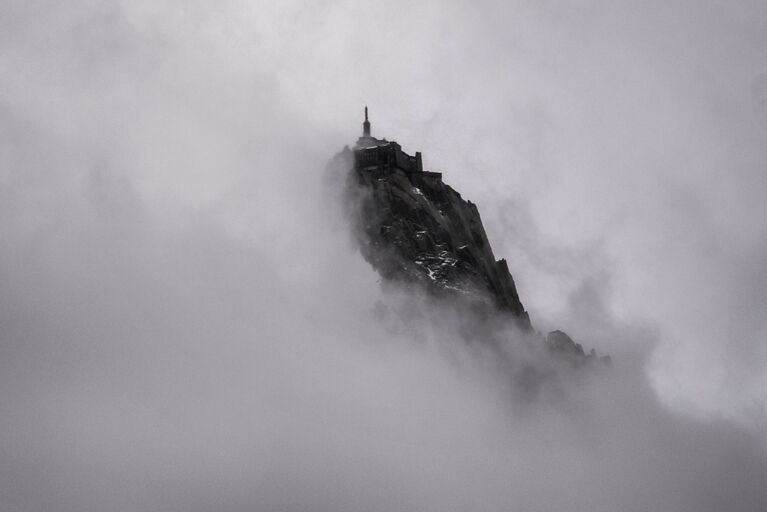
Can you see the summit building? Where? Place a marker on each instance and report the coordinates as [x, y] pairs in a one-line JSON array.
[[372, 154]]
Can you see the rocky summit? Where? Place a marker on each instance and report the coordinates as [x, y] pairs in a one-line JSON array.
[[413, 228]]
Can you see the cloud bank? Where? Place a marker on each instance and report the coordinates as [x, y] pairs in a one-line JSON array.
[[185, 324]]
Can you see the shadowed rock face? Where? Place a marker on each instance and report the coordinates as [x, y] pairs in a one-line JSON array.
[[417, 228], [414, 229]]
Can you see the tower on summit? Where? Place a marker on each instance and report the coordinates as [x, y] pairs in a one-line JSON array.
[[366, 125], [383, 155]]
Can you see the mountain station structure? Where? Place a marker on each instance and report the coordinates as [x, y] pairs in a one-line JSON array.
[[371, 153]]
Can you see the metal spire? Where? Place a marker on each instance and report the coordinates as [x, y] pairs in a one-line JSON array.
[[366, 124]]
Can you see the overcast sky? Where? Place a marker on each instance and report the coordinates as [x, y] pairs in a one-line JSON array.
[[185, 324]]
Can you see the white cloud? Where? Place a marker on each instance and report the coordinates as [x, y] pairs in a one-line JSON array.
[[185, 325]]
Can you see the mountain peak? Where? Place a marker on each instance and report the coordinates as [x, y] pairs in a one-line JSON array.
[[415, 229]]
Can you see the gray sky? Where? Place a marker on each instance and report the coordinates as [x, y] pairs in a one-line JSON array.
[[185, 325]]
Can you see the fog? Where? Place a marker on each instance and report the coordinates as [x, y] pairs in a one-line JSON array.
[[186, 324]]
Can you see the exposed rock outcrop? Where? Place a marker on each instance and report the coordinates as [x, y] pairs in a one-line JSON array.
[[415, 229]]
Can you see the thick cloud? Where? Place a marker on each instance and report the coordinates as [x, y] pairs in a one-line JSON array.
[[185, 324]]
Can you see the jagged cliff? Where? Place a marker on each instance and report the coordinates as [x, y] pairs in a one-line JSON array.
[[413, 228], [417, 228]]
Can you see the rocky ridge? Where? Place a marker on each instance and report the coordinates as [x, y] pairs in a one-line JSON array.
[[413, 228]]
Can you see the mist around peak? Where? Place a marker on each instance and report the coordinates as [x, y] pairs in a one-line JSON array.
[[185, 323]]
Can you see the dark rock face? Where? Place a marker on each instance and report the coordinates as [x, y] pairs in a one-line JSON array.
[[559, 342], [415, 229], [418, 228]]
